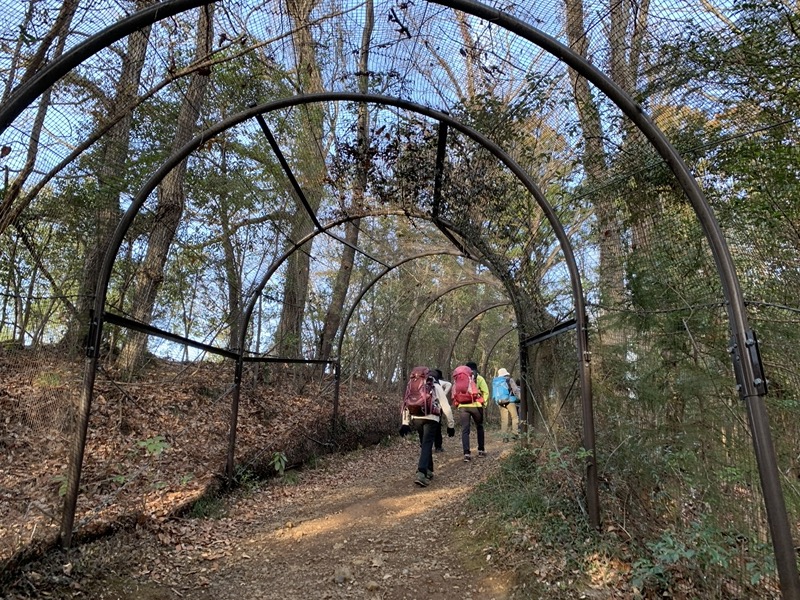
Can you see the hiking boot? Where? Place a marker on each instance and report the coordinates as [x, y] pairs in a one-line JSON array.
[[481, 454], [429, 475], [467, 457], [438, 449], [421, 480]]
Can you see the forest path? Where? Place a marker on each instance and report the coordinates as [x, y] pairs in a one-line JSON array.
[[355, 526]]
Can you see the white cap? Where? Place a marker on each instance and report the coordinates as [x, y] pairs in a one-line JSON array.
[[502, 372]]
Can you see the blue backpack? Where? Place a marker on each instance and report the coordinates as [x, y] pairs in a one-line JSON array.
[[501, 391]]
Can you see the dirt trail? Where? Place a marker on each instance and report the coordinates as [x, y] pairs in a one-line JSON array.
[[354, 527]]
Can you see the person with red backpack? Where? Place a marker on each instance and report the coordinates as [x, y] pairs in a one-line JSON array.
[[424, 402], [470, 394]]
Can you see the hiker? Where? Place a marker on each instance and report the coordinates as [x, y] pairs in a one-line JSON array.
[[423, 404], [446, 385], [469, 394], [505, 394]]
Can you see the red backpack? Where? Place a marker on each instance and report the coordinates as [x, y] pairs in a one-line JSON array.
[[420, 398], [465, 390]]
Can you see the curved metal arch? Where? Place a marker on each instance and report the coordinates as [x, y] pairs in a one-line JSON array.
[[54, 71], [751, 391], [468, 321], [22, 97], [45, 78], [376, 279], [494, 345], [179, 155], [42, 80], [34, 87], [278, 262], [416, 318], [247, 315]]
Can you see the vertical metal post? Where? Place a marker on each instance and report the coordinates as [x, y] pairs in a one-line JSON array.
[[752, 389], [587, 408], [79, 441], [337, 377], [237, 386], [523, 389]]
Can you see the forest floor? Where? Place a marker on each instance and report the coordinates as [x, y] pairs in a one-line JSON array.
[[354, 526], [152, 524], [344, 520]]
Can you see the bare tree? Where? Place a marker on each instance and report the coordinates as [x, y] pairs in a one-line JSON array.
[[333, 317], [594, 160], [171, 199], [627, 27], [311, 175], [9, 208], [113, 158]]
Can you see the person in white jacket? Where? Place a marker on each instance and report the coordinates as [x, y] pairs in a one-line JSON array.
[[426, 426], [446, 385]]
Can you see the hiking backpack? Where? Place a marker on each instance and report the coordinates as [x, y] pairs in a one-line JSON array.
[[501, 390], [420, 398], [465, 390]]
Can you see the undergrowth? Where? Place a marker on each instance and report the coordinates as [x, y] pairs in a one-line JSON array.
[[536, 520]]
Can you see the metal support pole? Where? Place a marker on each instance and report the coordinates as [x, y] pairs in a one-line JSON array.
[[237, 386], [523, 391], [585, 376], [79, 441], [752, 389], [337, 378]]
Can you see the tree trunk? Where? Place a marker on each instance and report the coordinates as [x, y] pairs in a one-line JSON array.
[[233, 276], [333, 317], [114, 155], [595, 164], [9, 212], [311, 175], [170, 202]]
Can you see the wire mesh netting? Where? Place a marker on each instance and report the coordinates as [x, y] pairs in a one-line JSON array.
[[183, 161]]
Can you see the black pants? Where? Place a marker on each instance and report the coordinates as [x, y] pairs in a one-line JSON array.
[[426, 428], [437, 440], [465, 416]]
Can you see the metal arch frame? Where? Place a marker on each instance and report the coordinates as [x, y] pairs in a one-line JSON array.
[[416, 318], [474, 316], [376, 279], [149, 186], [246, 317], [23, 96], [744, 346], [494, 345]]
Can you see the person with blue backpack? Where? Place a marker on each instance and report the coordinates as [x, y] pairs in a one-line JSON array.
[[505, 393]]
